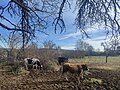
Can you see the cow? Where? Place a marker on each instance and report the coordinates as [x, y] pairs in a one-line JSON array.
[[32, 63], [74, 69], [37, 64], [62, 60], [28, 63]]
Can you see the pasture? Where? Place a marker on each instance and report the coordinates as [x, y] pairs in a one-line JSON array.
[[99, 62], [101, 76], [98, 59]]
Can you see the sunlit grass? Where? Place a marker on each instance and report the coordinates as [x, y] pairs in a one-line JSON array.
[[94, 80], [98, 59], [99, 62], [105, 67]]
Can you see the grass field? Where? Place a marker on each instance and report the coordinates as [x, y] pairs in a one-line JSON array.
[[98, 59], [100, 62]]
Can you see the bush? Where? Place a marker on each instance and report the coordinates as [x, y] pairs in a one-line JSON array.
[[16, 69], [13, 67]]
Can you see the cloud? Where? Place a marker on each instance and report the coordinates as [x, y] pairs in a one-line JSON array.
[[99, 38], [96, 43], [74, 35], [68, 47], [90, 30]]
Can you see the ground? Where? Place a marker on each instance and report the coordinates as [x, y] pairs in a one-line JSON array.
[[101, 76]]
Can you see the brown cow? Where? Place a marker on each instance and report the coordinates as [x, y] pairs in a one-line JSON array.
[[74, 68]]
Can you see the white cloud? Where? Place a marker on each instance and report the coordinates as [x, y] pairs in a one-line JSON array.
[[90, 30], [75, 35], [68, 47], [70, 35], [99, 38], [96, 43]]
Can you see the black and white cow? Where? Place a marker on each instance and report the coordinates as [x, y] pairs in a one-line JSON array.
[[32, 63], [37, 64]]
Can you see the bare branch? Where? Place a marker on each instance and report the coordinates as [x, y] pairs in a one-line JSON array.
[[20, 4], [106, 12], [59, 19], [12, 29]]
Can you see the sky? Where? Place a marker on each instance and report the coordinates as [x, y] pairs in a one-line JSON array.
[[67, 39]]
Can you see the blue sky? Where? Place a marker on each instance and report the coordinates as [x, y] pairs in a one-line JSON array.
[[67, 39]]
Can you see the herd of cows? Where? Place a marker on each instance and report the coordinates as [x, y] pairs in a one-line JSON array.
[[34, 63]]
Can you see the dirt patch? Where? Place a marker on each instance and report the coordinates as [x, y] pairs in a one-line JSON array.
[[95, 79]]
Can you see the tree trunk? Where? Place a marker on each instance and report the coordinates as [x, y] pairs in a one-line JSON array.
[[106, 58]]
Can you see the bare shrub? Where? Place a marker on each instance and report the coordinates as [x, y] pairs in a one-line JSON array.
[[13, 67]]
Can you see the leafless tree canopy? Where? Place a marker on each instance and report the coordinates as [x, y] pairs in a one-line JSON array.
[[36, 15], [106, 12], [32, 16], [83, 46]]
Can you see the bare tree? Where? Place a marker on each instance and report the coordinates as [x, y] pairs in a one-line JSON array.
[[32, 50], [106, 50], [83, 46], [110, 47], [32, 16], [105, 12], [49, 44], [114, 43], [11, 45]]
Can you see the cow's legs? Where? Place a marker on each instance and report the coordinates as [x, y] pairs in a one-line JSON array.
[[26, 66], [81, 74], [64, 75], [61, 72], [66, 78], [35, 66]]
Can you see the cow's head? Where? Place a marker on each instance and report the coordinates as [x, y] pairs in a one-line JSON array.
[[37, 65], [84, 67], [62, 60]]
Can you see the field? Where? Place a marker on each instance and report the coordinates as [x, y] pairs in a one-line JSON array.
[[101, 76]]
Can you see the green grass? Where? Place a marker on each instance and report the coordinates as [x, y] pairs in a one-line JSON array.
[[94, 80], [98, 59], [99, 62]]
